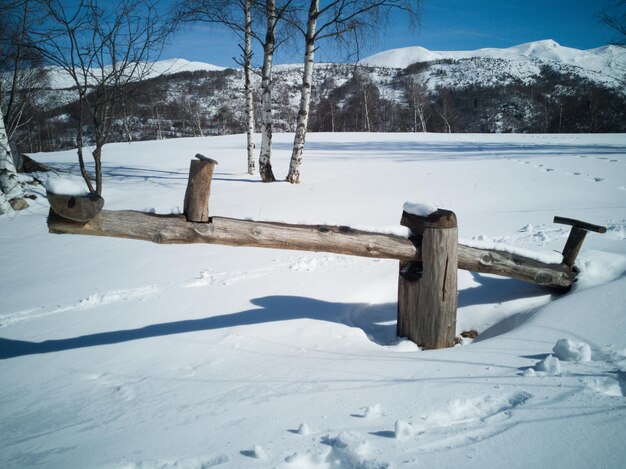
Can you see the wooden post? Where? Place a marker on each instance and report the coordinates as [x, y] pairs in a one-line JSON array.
[[576, 237], [427, 290], [196, 206]]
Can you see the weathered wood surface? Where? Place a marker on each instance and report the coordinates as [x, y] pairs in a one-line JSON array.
[[79, 208], [489, 261], [175, 229], [580, 224], [196, 205], [172, 229], [576, 237], [427, 290]]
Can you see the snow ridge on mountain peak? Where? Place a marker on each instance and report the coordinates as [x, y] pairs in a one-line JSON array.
[[597, 60]]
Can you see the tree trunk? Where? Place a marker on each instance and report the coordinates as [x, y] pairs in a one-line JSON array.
[[97, 158], [305, 95], [9, 184], [247, 61], [79, 145], [265, 165]]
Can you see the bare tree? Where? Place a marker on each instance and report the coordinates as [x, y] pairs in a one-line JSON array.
[[417, 97], [23, 69], [446, 110], [105, 50], [332, 19]]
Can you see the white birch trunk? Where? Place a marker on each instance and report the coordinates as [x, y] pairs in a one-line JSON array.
[[9, 184], [305, 95], [247, 59], [265, 165]]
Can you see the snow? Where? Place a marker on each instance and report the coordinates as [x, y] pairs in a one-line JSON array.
[[66, 186], [596, 60], [604, 64], [121, 353], [419, 209], [568, 350], [59, 79], [550, 364]]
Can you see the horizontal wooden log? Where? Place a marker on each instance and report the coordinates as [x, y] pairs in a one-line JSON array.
[[490, 261], [175, 229], [172, 229]]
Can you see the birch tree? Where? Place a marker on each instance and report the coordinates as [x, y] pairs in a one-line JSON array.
[[332, 19], [236, 15], [417, 97], [274, 13], [10, 189]]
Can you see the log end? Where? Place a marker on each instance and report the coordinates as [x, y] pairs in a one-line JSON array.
[[80, 208]]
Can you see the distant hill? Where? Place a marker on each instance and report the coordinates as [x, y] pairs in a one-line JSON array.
[[534, 87]]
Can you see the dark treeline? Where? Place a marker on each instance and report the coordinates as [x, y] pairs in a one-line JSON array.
[[345, 99]]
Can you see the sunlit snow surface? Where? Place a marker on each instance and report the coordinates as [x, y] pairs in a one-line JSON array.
[[120, 353]]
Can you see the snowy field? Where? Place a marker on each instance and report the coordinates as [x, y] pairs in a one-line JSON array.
[[120, 353]]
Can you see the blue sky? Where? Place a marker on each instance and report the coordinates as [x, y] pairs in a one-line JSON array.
[[445, 25]]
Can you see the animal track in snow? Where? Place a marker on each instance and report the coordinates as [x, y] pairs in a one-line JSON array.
[[92, 301], [463, 421]]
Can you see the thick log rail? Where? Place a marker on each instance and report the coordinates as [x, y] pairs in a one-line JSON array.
[[175, 229], [428, 259]]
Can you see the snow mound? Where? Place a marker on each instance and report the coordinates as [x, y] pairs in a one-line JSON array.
[[403, 430], [373, 411], [570, 351], [419, 209], [350, 451], [65, 186], [550, 365], [304, 429]]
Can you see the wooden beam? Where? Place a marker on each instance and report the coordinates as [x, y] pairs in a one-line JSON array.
[[491, 261], [175, 229]]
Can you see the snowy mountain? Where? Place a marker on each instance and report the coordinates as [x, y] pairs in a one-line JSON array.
[[59, 79], [535, 87], [606, 59]]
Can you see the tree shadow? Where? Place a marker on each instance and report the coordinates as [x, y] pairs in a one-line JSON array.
[[378, 321], [268, 309]]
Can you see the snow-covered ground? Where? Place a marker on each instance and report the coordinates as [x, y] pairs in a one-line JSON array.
[[120, 353]]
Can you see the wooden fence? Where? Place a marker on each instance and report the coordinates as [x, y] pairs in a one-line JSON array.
[[429, 258]]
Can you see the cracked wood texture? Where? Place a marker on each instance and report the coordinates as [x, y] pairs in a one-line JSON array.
[[427, 290]]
